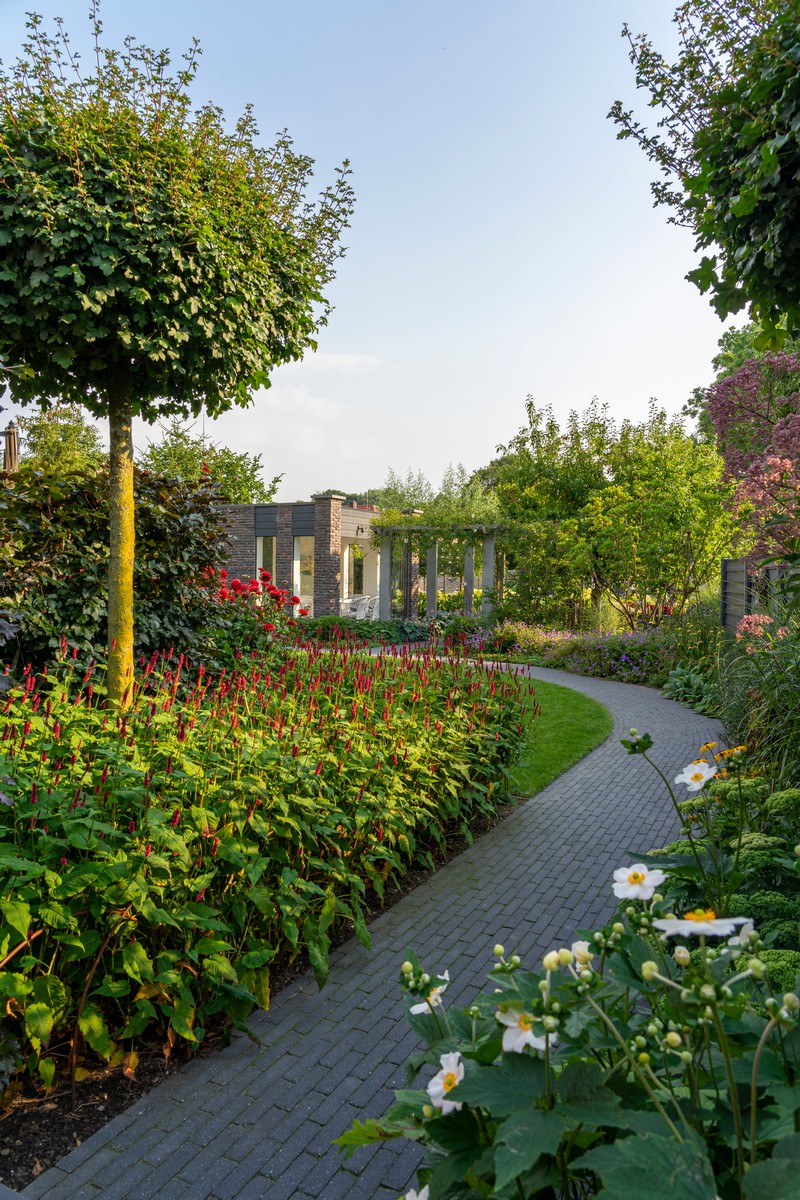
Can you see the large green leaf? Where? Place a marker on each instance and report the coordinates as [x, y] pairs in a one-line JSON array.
[[778, 1178], [522, 1139], [136, 963], [586, 1100], [658, 1167], [93, 1027], [39, 1020], [516, 1083], [17, 914]]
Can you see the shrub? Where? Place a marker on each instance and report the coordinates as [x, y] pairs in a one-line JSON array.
[[53, 572]]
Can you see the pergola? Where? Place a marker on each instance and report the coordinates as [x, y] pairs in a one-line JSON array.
[[487, 533]]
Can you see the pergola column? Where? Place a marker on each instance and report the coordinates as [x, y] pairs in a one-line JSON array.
[[487, 574], [431, 581], [469, 580], [385, 588]]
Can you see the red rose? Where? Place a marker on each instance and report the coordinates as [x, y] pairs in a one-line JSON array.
[[295, 600], [302, 612]]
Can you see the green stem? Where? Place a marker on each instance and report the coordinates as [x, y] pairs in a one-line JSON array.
[[754, 1087], [735, 1107]]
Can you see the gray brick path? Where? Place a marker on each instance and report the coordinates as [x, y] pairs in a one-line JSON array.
[[256, 1123]]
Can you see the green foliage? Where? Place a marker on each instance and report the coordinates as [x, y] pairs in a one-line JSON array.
[[169, 852], [60, 441], [725, 148], [635, 514], [147, 239], [743, 196], [695, 688], [759, 688], [179, 455], [54, 561], [783, 968]]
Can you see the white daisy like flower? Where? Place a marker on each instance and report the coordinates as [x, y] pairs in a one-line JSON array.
[[696, 775], [444, 1081], [423, 1194], [700, 920], [518, 1032], [433, 998], [637, 882]]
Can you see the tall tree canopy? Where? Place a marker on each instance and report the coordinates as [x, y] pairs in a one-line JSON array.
[[154, 260], [61, 440], [727, 149], [634, 512], [181, 455]]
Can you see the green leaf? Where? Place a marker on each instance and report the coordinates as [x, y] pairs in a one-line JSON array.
[[18, 915], [779, 1177], [47, 1069], [522, 1139], [585, 1098], [39, 1021], [93, 1027], [317, 945], [363, 1134], [516, 1083], [651, 1165], [136, 963], [183, 1019]]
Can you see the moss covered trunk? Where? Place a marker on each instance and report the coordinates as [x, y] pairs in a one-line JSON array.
[[121, 540]]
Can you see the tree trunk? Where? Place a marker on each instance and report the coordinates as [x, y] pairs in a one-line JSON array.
[[121, 541]]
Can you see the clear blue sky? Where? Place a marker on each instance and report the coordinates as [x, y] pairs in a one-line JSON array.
[[504, 242]]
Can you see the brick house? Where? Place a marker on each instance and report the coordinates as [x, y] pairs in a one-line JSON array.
[[319, 549]]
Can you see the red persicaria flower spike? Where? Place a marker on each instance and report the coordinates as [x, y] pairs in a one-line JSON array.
[[132, 827], [214, 846], [176, 816], [318, 769], [295, 750], [148, 850]]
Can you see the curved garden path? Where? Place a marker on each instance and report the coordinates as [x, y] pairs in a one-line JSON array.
[[256, 1122]]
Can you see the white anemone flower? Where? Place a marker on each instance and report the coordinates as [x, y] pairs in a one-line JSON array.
[[583, 953], [434, 996], [423, 1194], [518, 1032], [696, 775], [700, 921], [444, 1081], [637, 882]]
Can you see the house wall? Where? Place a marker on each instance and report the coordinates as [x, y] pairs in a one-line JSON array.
[[325, 518]]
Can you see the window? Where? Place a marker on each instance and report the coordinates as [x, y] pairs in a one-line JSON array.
[[265, 554], [303, 578], [355, 570]]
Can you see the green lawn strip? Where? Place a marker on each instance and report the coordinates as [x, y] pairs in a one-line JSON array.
[[568, 727]]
